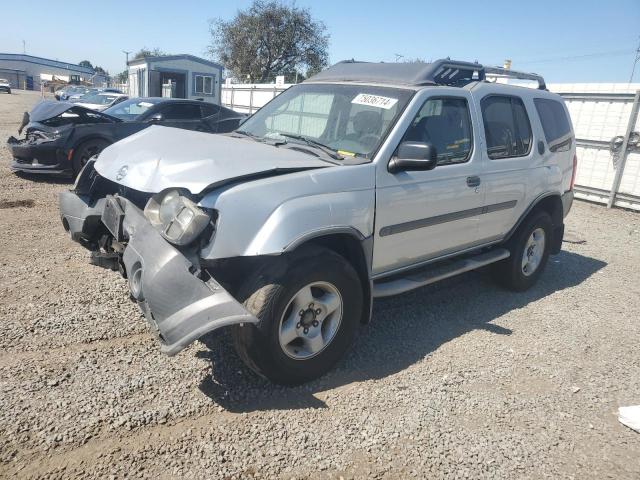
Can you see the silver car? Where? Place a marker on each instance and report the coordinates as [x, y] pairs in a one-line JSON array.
[[367, 180]]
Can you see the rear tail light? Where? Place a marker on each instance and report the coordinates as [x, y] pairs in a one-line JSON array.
[[575, 169]]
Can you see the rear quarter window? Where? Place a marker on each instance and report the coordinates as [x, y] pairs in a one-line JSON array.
[[555, 123]]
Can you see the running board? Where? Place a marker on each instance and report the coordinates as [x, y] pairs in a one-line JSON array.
[[434, 274]]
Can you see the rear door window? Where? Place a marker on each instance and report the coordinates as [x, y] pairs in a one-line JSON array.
[[507, 127], [209, 109], [181, 111], [555, 124]]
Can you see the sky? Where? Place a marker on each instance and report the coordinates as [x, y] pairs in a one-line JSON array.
[[565, 41]]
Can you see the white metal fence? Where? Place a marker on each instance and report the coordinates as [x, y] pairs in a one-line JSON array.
[[248, 98], [605, 120]]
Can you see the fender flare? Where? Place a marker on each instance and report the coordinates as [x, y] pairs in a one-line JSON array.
[[362, 264], [529, 209], [323, 232]]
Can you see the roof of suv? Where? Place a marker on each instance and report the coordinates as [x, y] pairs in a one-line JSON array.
[[441, 72]]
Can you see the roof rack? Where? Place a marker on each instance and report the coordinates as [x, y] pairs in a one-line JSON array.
[[500, 72], [440, 72]]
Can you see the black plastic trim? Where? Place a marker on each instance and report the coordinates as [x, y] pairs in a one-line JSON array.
[[447, 217]]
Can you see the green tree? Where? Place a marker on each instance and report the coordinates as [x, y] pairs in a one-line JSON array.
[[123, 76], [146, 52], [97, 69], [269, 39]]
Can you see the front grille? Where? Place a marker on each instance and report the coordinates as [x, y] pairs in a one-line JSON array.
[[101, 187]]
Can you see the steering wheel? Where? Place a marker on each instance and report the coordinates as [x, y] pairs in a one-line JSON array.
[[369, 139]]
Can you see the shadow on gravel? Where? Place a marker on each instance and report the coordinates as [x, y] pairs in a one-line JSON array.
[[404, 330], [47, 178]]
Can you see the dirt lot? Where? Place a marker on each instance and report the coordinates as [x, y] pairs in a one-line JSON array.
[[460, 379]]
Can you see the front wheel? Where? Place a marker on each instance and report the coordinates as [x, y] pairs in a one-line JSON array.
[[85, 151], [529, 249], [308, 311]]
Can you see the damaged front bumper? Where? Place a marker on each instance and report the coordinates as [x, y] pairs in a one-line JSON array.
[[33, 156], [180, 301]]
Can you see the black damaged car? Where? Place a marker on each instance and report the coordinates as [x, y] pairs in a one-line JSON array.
[[60, 137]]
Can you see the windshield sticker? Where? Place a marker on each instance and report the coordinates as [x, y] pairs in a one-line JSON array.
[[346, 154], [145, 104], [374, 101]]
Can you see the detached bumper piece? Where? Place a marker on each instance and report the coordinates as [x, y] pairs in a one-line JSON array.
[[180, 302], [81, 217]]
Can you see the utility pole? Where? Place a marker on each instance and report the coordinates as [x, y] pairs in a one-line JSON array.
[[127, 54], [635, 62], [24, 47], [398, 57]]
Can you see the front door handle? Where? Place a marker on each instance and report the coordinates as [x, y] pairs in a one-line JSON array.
[[473, 181]]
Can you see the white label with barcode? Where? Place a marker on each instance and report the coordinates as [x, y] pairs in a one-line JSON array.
[[374, 101]]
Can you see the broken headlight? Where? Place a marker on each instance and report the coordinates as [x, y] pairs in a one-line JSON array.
[[38, 136], [178, 219]]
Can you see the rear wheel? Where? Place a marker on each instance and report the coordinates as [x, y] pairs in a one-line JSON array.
[[85, 151], [529, 249], [308, 311]]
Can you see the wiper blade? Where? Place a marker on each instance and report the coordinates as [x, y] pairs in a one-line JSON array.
[[249, 134], [325, 148]]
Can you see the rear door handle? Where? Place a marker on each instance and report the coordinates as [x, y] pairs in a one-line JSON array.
[[473, 181]]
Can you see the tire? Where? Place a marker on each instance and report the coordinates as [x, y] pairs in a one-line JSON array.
[[514, 272], [277, 298], [85, 151]]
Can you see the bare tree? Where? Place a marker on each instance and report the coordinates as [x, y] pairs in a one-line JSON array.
[[270, 39]]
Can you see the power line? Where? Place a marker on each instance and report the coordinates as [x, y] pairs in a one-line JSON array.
[[580, 57]]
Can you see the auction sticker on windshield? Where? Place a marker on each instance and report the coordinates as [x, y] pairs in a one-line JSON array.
[[374, 101]]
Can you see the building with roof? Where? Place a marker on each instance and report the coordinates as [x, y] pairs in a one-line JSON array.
[[175, 76], [29, 72]]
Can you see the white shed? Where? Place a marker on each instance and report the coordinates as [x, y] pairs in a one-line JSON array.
[[176, 76]]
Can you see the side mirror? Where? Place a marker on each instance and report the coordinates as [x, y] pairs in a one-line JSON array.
[[413, 156], [156, 117]]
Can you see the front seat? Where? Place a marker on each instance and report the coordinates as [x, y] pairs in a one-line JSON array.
[[366, 128], [444, 130]]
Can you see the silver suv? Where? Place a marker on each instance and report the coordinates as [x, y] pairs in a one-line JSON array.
[[367, 180]]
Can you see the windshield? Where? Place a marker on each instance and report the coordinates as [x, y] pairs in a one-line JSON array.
[[129, 109], [85, 92], [98, 99], [352, 120]]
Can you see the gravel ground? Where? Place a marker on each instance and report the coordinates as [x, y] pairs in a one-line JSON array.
[[457, 380]]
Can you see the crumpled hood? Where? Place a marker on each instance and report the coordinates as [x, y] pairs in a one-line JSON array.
[[158, 157], [48, 109]]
